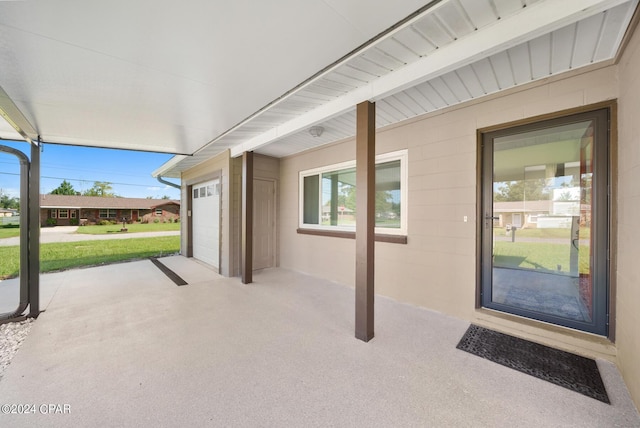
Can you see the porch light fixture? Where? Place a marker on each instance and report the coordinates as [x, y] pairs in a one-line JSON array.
[[316, 131]]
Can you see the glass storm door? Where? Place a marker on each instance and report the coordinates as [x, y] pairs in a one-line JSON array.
[[545, 225]]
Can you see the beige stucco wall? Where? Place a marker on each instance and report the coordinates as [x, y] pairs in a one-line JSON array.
[[436, 269], [628, 274]]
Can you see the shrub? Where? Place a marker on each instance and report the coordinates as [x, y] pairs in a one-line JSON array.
[[74, 222], [52, 222], [104, 223], [156, 220]]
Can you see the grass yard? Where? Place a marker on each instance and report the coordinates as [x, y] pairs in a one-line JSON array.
[[131, 228], [9, 231], [67, 255], [538, 256], [585, 233]]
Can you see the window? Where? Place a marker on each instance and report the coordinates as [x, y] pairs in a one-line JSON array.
[[195, 193], [158, 211], [54, 213], [63, 213], [73, 213], [107, 213], [328, 195]]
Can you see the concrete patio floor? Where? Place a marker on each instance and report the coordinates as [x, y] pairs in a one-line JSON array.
[[121, 345]]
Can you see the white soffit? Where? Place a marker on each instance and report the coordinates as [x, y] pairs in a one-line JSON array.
[[454, 52], [577, 45], [195, 77], [169, 76]]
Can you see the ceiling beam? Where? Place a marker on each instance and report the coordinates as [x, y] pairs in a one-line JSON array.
[[14, 117], [531, 22]]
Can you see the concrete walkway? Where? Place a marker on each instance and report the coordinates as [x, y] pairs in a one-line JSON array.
[[121, 345], [68, 234]]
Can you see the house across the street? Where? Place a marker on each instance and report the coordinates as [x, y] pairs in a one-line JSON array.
[[66, 210], [7, 213]]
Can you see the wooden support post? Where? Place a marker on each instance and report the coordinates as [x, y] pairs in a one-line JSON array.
[[365, 219], [189, 199], [247, 218]]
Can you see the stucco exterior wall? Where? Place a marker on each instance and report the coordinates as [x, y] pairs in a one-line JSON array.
[[628, 274], [436, 269]]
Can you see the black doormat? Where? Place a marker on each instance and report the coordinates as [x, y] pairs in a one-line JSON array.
[[562, 368]]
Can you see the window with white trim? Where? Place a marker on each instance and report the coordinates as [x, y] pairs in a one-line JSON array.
[[107, 213], [328, 196], [159, 211], [63, 213], [54, 213]]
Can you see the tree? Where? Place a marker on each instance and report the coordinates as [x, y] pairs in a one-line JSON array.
[[9, 203], [65, 188], [522, 190], [102, 189]]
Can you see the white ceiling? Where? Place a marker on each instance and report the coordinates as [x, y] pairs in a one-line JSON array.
[[165, 75], [244, 75]]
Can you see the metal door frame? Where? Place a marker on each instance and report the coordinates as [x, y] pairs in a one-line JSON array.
[[600, 233], [29, 235]]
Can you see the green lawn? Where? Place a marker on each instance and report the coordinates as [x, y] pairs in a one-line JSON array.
[[132, 228], [540, 256], [9, 231], [67, 255], [585, 232]]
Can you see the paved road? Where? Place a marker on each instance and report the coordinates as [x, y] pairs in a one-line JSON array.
[[67, 234]]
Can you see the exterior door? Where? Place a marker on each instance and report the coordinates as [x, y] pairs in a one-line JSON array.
[[206, 222], [556, 269], [264, 224]]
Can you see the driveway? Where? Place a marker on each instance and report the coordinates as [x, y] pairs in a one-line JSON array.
[[68, 234]]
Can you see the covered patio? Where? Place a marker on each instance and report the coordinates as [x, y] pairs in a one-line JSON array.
[[250, 96], [122, 345]]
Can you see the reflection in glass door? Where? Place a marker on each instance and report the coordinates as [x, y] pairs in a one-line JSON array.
[[545, 234]]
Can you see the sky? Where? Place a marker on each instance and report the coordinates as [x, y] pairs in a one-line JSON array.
[[128, 171]]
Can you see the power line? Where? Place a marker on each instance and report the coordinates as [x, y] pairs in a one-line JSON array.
[[80, 180], [48, 166]]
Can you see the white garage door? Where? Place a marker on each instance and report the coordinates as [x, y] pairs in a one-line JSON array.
[[206, 222]]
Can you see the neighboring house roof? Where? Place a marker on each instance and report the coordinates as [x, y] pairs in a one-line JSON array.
[[97, 202], [166, 202]]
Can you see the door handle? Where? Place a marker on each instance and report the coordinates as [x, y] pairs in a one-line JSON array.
[[488, 217]]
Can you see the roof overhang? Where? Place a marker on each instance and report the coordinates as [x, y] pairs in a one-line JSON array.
[[200, 79]]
